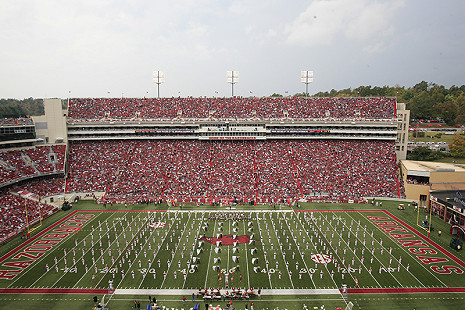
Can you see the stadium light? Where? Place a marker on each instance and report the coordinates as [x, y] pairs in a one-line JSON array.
[[232, 77], [158, 78], [307, 78]]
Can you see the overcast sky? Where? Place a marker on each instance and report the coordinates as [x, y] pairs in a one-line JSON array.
[[103, 48]]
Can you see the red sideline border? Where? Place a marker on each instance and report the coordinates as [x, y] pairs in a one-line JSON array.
[[116, 211], [405, 290], [55, 291]]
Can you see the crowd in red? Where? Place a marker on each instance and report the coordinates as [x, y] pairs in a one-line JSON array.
[[16, 121], [347, 168], [243, 170], [43, 187], [232, 108], [13, 213], [23, 163]]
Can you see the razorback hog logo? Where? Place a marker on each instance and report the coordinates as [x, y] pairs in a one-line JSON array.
[[227, 239]]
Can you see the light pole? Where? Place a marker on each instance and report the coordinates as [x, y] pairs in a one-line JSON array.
[[232, 77], [307, 78], [158, 78]]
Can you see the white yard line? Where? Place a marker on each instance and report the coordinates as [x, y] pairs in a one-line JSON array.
[[132, 263], [327, 270], [158, 250], [339, 258], [196, 240], [408, 253], [263, 252], [246, 259], [104, 252], [227, 263], [61, 257], [306, 267], [353, 233], [346, 266], [210, 256], [175, 251]]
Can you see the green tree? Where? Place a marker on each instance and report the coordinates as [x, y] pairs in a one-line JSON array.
[[421, 105], [425, 153], [460, 119], [276, 95], [17, 108], [457, 147], [420, 87], [448, 111]]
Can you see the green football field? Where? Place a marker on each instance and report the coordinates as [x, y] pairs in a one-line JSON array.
[[297, 258]]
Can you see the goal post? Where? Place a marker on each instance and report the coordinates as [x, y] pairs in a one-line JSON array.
[[30, 223], [420, 223]]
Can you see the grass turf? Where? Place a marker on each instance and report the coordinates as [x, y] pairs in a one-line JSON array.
[[322, 230]]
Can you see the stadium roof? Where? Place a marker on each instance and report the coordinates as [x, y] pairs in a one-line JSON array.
[[431, 166]]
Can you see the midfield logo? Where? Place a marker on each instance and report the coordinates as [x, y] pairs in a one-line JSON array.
[[157, 225], [321, 258], [227, 239]]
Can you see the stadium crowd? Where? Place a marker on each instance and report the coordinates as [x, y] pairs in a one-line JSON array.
[[35, 161], [231, 108], [13, 213], [43, 187], [244, 170], [347, 168], [16, 121]]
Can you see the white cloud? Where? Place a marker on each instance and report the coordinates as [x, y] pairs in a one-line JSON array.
[[324, 20], [50, 47], [374, 48]]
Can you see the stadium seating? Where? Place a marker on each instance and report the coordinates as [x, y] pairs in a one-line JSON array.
[[30, 162], [247, 170], [16, 121], [43, 187], [231, 108]]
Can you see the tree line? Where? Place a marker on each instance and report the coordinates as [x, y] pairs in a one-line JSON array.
[[21, 108]]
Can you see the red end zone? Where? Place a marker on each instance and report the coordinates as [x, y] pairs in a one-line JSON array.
[[43, 232], [390, 224], [28, 252]]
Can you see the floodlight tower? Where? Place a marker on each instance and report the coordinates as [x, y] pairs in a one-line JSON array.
[[307, 78], [158, 78], [232, 77]]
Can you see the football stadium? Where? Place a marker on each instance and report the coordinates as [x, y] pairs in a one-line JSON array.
[[218, 203]]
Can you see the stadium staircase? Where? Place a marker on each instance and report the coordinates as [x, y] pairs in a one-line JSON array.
[[29, 163], [50, 156], [255, 175], [295, 173]]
